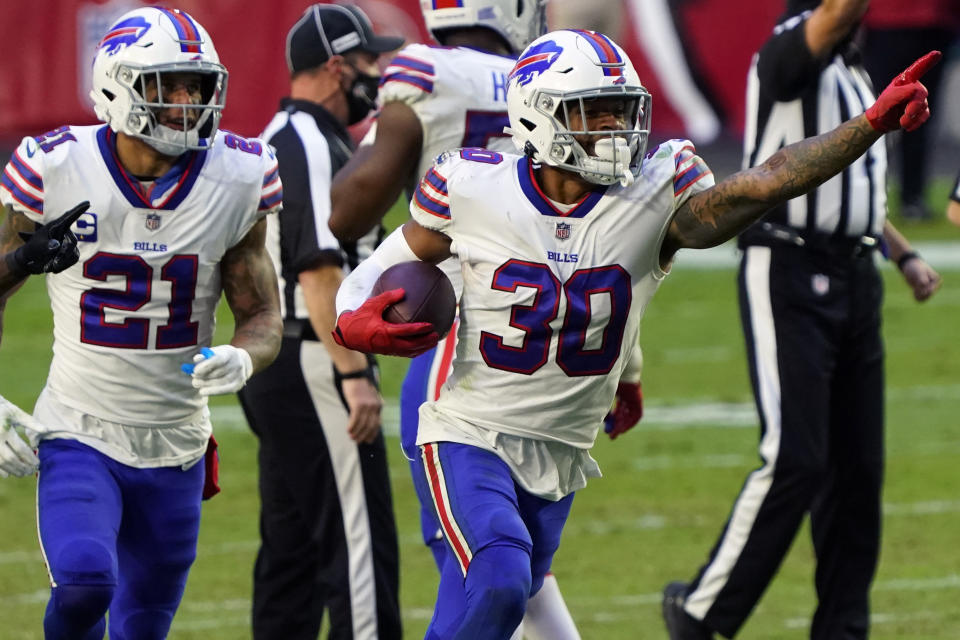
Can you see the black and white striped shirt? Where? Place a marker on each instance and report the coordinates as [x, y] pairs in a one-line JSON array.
[[311, 146], [791, 95]]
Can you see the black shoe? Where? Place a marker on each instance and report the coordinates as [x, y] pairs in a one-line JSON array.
[[680, 624]]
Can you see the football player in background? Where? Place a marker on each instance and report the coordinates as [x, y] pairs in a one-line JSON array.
[[546, 318], [434, 99], [176, 216]]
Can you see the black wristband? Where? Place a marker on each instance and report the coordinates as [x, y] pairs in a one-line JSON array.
[[367, 373], [359, 373], [905, 258]]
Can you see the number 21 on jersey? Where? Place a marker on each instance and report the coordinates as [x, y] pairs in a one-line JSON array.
[[133, 333]]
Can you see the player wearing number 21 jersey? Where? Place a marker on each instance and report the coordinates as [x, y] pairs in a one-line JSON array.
[[171, 215], [141, 301]]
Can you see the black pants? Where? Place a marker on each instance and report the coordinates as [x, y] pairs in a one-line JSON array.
[[812, 326], [328, 538], [887, 52]]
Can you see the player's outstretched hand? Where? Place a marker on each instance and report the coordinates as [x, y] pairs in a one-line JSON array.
[[627, 412], [903, 104], [222, 369], [16, 456], [52, 247], [364, 329]]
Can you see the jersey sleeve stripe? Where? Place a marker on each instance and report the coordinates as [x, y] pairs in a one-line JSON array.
[[19, 195], [270, 186], [684, 155], [437, 181], [271, 176], [683, 181], [270, 200], [26, 172], [429, 204], [14, 176], [411, 64], [406, 78]]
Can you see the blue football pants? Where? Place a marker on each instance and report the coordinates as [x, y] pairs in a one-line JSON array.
[[500, 539], [115, 538]]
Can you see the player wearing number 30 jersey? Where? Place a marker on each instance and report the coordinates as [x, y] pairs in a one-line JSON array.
[[172, 216], [573, 280], [561, 250]]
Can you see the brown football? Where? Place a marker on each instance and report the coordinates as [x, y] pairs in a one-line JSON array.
[[429, 295]]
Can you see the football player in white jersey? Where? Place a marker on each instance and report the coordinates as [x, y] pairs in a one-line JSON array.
[[434, 99], [176, 216], [585, 231]]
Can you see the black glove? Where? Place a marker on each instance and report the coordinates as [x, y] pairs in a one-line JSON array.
[[51, 248]]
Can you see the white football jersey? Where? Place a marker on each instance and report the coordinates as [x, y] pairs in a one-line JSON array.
[[460, 97], [552, 297], [142, 298]]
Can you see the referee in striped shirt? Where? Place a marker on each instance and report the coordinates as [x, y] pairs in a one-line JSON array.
[[810, 301], [328, 537]]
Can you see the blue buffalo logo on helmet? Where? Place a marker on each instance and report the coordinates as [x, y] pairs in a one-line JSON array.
[[535, 61], [124, 34]]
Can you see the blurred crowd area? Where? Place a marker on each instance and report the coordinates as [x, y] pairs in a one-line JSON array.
[[693, 56], [893, 33]]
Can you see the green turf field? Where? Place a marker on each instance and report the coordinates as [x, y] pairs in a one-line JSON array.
[[667, 488]]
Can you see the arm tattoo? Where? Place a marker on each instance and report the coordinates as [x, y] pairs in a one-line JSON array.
[[721, 212], [13, 222], [250, 286]]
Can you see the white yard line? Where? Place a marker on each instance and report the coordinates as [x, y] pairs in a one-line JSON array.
[[692, 412], [944, 256]]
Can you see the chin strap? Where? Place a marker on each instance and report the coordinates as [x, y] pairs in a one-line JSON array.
[[172, 142]]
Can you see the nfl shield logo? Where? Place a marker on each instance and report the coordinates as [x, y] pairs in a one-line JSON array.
[[563, 230], [153, 221]]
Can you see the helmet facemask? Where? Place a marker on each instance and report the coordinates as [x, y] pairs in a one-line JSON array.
[[601, 156], [138, 51], [151, 110]]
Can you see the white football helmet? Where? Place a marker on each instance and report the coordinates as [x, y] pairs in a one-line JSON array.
[[136, 51], [516, 21], [559, 75]]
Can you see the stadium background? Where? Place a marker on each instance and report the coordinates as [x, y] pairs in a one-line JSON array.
[[667, 484]]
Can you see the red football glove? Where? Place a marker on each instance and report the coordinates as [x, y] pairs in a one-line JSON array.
[[364, 329], [904, 102], [627, 412]]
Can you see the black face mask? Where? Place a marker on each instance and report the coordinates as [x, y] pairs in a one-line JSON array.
[[362, 96]]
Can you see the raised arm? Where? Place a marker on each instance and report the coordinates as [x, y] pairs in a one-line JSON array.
[[370, 183], [714, 216], [830, 23]]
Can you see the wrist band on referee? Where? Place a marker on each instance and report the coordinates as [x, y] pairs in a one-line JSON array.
[[905, 258]]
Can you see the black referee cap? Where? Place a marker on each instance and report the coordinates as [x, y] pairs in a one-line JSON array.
[[327, 30]]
